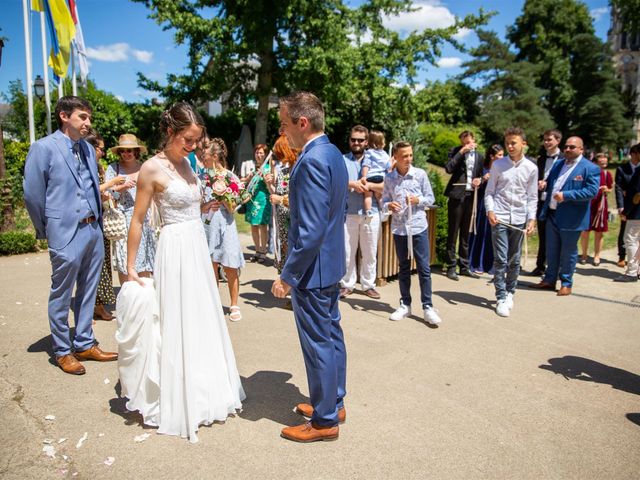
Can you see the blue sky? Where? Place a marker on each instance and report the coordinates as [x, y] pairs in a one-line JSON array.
[[121, 40]]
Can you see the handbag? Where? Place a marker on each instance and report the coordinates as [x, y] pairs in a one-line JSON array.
[[114, 223]]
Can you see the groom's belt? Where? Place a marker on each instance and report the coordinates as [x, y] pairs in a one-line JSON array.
[[90, 219]]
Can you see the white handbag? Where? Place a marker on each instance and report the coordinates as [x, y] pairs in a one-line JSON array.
[[114, 223]]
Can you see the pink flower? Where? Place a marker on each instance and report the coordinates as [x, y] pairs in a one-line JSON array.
[[219, 187], [234, 187]]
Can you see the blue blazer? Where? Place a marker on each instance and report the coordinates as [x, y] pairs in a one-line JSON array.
[[573, 213], [53, 188], [317, 206]]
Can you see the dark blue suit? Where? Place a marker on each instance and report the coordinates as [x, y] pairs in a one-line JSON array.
[[569, 219], [59, 193], [315, 264]]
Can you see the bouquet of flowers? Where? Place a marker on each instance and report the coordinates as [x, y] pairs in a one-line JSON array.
[[225, 187]]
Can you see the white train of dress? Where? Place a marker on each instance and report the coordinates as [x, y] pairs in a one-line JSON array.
[[176, 362]]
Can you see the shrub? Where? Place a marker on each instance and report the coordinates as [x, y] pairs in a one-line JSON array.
[[442, 221], [12, 243]]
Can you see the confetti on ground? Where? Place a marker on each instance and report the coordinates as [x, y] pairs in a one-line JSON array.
[[109, 461], [47, 441], [64, 457], [18, 303], [51, 418], [141, 438], [4, 324], [74, 474], [62, 440], [106, 381], [82, 439], [101, 434], [63, 472], [49, 451]]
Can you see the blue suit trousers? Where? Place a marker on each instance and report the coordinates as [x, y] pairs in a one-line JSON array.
[[562, 253], [78, 265], [325, 356]]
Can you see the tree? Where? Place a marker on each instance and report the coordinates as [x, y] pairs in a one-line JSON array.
[[451, 102], [344, 54], [628, 12], [508, 96], [601, 119], [545, 35]]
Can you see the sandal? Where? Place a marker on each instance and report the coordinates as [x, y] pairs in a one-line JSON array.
[[234, 313], [101, 313], [261, 257]]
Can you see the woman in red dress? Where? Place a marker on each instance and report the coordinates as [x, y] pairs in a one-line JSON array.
[[599, 212]]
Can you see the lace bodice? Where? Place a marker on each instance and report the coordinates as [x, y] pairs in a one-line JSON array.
[[179, 202]]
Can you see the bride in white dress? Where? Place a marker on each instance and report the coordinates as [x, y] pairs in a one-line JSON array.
[[176, 364]]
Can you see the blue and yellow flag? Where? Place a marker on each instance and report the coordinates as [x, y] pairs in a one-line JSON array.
[[62, 31]]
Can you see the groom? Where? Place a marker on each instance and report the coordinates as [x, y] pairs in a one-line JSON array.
[[317, 199]]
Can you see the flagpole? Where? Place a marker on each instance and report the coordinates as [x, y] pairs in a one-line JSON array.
[[74, 80], [27, 54], [45, 68]]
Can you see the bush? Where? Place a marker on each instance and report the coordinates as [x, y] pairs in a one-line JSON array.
[[12, 243], [442, 221], [440, 139]]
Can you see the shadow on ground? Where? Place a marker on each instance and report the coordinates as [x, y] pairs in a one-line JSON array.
[[455, 298], [270, 396]]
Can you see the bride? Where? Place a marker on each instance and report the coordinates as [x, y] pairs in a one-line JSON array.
[[176, 365]]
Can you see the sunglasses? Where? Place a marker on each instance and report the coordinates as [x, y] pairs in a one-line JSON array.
[[127, 150], [357, 140], [570, 147]]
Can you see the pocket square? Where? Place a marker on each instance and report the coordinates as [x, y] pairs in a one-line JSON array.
[[578, 178]]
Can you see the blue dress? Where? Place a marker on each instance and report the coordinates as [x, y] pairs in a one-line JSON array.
[[222, 236], [480, 246]]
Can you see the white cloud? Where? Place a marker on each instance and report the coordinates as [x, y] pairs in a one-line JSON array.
[[462, 34], [120, 97], [118, 52], [449, 62], [598, 13], [427, 14]]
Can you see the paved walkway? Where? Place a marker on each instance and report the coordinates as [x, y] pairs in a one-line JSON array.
[[551, 392]]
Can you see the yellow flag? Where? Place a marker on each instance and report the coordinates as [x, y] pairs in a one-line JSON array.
[[37, 5], [65, 30]]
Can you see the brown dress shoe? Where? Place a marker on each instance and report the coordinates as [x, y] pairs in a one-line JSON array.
[[309, 432], [69, 364], [95, 353], [372, 293], [306, 410], [564, 291], [621, 263], [543, 286]]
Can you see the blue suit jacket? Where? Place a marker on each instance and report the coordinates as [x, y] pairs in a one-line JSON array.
[[53, 188], [317, 206], [583, 184]]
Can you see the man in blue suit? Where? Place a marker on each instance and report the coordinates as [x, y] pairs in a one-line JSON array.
[[315, 264], [571, 185], [62, 196]]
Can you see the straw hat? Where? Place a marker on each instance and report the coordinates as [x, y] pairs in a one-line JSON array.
[[128, 140]]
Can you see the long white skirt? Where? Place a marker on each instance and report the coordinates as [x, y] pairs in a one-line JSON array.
[[176, 361]]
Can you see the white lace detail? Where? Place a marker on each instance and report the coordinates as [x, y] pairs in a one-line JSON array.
[[179, 202]]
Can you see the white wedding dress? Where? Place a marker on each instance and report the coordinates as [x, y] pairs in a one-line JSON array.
[[176, 362]]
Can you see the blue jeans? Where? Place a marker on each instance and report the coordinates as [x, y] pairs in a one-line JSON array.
[[507, 248], [421, 254], [562, 253]]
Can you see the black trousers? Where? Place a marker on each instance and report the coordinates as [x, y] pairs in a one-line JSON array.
[[622, 253], [459, 215]]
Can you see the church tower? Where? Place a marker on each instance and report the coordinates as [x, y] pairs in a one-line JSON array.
[[626, 57]]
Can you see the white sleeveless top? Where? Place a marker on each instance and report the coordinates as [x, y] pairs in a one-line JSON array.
[[180, 201]]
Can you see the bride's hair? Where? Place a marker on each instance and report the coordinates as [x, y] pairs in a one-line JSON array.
[[216, 146], [178, 117]]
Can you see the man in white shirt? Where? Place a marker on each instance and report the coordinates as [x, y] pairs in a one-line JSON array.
[[511, 201]]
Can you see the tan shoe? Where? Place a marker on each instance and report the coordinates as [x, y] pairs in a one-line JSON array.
[[564, 291], [309, 432], [306, 410], [95, 353], [69, 364], [621, 263]]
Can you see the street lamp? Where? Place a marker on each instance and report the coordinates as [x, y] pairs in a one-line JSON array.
[[38, 87]]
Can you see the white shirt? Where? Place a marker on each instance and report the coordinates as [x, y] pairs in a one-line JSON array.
[[512, 190], [565, 173], [470, 161]]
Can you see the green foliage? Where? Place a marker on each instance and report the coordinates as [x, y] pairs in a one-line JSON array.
[[509, 96], [16, 123], [628, 11], [441, 215], [342, 53], [15, 154], [440, 139], [146, 118], [451, 103], [12, 243]]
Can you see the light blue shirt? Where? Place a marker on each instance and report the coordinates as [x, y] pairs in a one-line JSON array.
[[354, 199], [396, 188], [87, 197], [378, 162]]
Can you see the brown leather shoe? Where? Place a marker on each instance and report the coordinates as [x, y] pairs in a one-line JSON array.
[[69, 364], [564, 291], [95, 353], [543, 286], [345, 292], [621, 263], [306, 410], [101, 313], [309, 432], [372, 293]]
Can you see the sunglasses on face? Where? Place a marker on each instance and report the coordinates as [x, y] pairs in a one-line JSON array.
[[357, 140], [570, 147], [127, 150]]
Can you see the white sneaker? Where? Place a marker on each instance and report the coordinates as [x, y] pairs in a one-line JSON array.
[[509, 300], [431, 316], [502, 308], [401, 312]]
